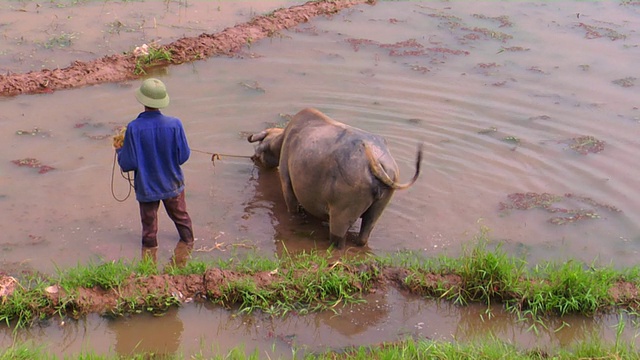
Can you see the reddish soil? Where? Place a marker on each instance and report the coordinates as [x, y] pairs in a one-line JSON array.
[[115, 68]]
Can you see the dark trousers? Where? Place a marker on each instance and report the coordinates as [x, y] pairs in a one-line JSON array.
[[176, 208]]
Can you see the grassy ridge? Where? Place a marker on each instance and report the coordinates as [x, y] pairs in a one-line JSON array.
[[315, 282], [312, 282], [480, 275]]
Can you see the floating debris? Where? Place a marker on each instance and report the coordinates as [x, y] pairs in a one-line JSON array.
[[503, 19], [253, 86], [595, 32], [629, 81], [546, 201], [32, 132], [487, 65], [513, 49], [444, 50], [409, 47], [512, 139], [530, 200], [487, 33], [95, 131], [452, 20], [410, 43], [487, 69], [537, 69], [357, 43], [586, 144], [420, 68], [540, 117], [33, 163], [592, 202], [97, 137]]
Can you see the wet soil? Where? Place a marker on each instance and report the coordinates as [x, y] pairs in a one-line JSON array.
[[116, 68]]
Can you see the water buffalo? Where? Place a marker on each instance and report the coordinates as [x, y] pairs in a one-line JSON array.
[[332, 170]]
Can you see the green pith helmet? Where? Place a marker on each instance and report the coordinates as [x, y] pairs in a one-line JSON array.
[[152, 93]]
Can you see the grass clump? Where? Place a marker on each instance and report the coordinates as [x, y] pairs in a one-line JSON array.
[[569, 288], [26, 305], [479, 275], [107, 276], [148, 56], [301, 283], [488, 275]]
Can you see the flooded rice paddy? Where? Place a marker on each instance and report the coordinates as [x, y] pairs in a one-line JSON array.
[[529, 112]]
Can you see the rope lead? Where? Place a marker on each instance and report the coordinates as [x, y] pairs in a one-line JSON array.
[[128, 178], [214, 157], [217, 156]]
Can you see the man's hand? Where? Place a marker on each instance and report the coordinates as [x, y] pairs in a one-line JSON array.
[[118, 139]]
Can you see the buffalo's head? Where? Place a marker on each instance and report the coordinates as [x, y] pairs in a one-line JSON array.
[[267, 152]]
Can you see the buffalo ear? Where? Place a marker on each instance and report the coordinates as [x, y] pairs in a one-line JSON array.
[[262, 148], [257, 137]]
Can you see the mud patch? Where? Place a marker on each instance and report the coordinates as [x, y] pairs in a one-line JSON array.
[[116, 68], [35, 164]]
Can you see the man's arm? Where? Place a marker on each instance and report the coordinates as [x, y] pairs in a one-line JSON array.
[[126, 154]]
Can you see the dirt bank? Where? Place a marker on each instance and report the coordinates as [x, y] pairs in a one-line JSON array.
[[115, 68], [229, 288]]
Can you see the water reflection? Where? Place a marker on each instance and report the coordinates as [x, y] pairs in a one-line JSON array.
[[181, 254], [386, 316], [292, 233], [179, 258], [477, 321], [161, 335], [356, 319]]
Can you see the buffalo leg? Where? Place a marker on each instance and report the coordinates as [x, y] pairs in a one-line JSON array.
[[287, 190], [369, 219], [339, 241], [339, 224]]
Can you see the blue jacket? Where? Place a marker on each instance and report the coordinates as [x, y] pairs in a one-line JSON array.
[[154, 147]]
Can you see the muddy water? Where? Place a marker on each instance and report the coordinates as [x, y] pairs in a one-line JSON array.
[[200, 329], [495, 90]]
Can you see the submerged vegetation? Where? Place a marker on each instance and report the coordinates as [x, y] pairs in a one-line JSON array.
[[557, 204]]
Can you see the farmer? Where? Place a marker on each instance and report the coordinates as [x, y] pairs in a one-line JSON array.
[[154, 148]]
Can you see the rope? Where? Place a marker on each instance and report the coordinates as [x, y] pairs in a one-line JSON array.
[[214, 156], [128, 178]]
